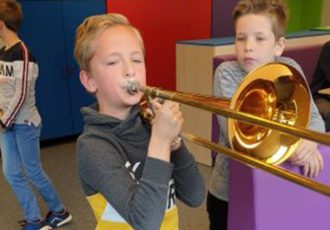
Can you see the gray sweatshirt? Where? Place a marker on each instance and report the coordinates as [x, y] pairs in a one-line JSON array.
[[113, 163]]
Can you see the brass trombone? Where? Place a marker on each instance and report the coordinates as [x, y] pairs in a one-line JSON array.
[[261, 114]]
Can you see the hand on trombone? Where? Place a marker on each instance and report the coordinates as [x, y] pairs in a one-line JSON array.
[[308, 156], [166, 126]]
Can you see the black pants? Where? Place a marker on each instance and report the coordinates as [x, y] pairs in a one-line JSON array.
[[218, 212]]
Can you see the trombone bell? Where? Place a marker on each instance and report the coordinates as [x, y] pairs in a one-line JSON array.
[[275, 92]]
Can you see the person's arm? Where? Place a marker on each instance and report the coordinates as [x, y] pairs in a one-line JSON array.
[[141, 203], [225, 83], [166, 127], [307, 154], [316, 122], [189, 183], [21, 69]]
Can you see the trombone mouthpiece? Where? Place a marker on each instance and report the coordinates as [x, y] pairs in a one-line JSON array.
[[132, 86]]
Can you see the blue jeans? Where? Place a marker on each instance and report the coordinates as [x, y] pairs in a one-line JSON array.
[[21, 166]]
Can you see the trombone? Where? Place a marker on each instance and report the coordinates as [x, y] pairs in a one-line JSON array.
[[261, 114]]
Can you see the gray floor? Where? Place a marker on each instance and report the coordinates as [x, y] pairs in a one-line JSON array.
[[59, 162]]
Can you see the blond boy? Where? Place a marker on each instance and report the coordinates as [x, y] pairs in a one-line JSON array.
[[128, 172]]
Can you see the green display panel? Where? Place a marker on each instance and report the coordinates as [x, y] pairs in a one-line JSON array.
[[304, 14]]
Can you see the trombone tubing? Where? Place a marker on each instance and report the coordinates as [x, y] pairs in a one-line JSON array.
[[200, 101], [246, 159]]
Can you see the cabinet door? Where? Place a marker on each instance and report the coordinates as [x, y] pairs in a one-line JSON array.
[[74, 12], [42, 31], [49, 29]]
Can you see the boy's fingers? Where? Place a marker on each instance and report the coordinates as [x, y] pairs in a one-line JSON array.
[[312, 168], [306, 170], [320, 160]]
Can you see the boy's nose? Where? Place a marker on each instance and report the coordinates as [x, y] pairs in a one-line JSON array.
[[129, 70], [129, 74], [248, 46]]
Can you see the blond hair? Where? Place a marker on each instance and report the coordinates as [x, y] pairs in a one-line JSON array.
[[276, 10], [11, 14], [90, 28]]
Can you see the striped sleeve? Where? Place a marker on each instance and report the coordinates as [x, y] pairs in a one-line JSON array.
[[21, 87]]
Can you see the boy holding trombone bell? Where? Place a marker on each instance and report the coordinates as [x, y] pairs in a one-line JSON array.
[[259, 39]]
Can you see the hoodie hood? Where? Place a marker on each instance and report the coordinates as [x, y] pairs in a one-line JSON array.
[[133, 128]]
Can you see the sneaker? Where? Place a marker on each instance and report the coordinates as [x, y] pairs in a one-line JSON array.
[[56, 219], [22, 222], [36, 225]]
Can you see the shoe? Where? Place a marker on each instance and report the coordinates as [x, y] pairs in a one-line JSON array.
[[22, 222], [35, 225], [56, 219]]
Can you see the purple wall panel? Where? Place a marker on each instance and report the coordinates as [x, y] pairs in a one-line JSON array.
[[222, 23]]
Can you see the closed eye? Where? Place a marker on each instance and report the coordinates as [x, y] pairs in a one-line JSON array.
[[260, 39], [137, 60], [112, 62], [240, 38]]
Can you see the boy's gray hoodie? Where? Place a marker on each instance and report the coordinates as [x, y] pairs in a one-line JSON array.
[[113, 161]]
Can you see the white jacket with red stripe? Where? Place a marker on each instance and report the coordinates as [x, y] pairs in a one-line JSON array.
[[18, 73]]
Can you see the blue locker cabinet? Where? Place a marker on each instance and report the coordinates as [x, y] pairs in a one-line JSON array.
[[48, 29]]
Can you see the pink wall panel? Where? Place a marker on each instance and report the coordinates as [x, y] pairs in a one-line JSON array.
[[163, 23]]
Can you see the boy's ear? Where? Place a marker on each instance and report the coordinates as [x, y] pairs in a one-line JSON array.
[[280, 45], [88, 81]]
